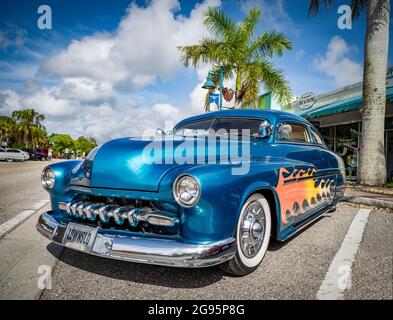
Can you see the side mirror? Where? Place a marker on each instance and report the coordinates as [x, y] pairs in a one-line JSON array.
[[160, 132], [264, 129]]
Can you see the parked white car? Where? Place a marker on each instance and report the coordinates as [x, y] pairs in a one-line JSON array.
[[13, 155]]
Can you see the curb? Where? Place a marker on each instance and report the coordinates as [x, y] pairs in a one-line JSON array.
[[368, 201]]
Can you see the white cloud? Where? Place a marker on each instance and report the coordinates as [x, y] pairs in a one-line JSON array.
[[12, 36], [98, 75], [9, 101], [84, 90], [48, 103], [143, 47], [337, 64], [107, 120], [18, 70], [273, 14]]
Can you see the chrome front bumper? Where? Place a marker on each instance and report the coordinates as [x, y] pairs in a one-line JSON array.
[[165, 252]]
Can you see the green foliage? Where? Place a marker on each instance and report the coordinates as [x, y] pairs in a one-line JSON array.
[[28, 128], [242, 54], [62, 143], [25, 130], [7, 126], [84, 145]]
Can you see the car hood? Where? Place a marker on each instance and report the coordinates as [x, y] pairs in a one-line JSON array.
[[140, 164]]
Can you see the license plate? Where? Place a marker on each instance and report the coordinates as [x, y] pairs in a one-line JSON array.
[[79, 237]]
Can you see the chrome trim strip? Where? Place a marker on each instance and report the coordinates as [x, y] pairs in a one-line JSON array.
[[164, 252]]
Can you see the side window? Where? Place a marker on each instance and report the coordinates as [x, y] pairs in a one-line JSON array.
[[292, 132], [316, 137], [2, 150]]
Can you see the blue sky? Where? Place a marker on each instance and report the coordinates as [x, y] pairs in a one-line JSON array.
[[111, 68]]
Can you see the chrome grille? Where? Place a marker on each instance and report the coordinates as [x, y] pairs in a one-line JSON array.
[[119, 214]]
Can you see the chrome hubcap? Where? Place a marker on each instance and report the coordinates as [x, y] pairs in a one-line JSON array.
[[252, 229]]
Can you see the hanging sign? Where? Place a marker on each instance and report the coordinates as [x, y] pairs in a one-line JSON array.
[[214, 101], [307, 100]]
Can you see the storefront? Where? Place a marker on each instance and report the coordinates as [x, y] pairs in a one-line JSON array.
[[340, 122]]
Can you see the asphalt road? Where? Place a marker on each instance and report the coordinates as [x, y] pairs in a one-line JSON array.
[[20, 187], [291, 270]]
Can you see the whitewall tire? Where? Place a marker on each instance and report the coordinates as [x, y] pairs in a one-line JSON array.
[[252, 236]]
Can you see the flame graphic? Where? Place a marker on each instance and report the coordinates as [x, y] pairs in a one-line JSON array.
[[298, 191]]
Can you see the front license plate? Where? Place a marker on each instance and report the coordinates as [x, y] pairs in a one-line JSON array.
[[79, 237]]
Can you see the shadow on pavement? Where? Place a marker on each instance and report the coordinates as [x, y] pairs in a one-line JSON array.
[[139, 273], [151, 274], [275, 245]]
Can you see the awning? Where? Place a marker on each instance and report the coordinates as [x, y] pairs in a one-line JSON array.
[[345, 105]]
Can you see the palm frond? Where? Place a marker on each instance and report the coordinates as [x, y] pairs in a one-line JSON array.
[[207, 51], [219, 24], [242, 55], [270, 43], [315, 4], [247, 27], [273, 80], [357, 7]]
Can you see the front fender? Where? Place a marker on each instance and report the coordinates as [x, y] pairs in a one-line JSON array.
[[223, 194], [61, 190]]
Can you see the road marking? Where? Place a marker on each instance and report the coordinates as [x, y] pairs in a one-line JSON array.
[[11, 224], [5, 169], [338, 277]]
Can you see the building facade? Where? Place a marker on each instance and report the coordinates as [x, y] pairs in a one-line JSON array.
[[338, 115]]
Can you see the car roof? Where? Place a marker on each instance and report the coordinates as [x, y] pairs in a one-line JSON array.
[[273, 116]]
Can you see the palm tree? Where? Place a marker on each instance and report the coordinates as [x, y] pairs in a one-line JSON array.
[[28, 125], [7, 126], [372, 162], [242, 54], [39, 137]]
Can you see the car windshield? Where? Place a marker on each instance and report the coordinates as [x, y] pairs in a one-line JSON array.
[[219, 126]]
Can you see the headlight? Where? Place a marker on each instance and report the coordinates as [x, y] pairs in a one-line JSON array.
[[48, 178], [186, 190]]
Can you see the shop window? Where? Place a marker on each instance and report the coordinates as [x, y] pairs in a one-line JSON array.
[[328, 136], [389, 123], [347, 145]]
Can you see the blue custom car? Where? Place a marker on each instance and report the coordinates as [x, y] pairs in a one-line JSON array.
[[219, 186]]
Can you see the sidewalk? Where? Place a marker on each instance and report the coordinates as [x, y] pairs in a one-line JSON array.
[[383, 198]]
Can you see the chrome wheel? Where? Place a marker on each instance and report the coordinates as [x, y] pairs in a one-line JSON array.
[[252, 230], [252, 236]]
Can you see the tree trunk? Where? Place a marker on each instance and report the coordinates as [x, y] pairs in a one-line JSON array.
[[372, 163]]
